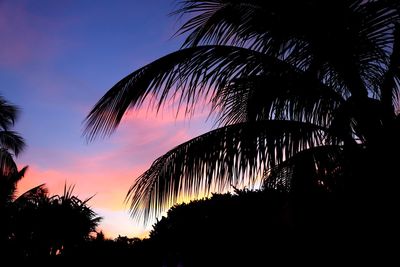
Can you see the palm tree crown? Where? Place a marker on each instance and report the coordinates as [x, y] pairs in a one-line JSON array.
[[296, 86], [11, 144]]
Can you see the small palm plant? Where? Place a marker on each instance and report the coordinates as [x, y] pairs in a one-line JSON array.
[[52, 225]]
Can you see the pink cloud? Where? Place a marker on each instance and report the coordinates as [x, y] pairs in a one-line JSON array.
[[171, 111]]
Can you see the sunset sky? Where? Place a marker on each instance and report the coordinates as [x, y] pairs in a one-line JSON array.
[[57, 58]]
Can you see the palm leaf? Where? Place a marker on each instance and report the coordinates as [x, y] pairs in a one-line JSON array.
[[32, 195], [231, 155], [317, 168], [278, 94], [13, 179], [17, 176], [390, 84], [7, 163], [12, 141], [187, 75], [223, 22], [8, 114], [358, 119], [8, 185]]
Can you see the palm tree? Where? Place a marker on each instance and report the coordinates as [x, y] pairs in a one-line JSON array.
[[11, 144], [305, 93]]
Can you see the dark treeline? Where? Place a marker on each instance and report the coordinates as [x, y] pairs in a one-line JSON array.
[[243, 228], [226, 229]]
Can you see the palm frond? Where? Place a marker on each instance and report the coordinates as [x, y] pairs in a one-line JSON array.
[[33, 194], [357, 119], [12, 141], [8, 114], [186, 75], [8, 185], [373, 35], [278, 94], [17, 176], [317, 168], [7, 163], [390, 85], [231, 155], [223, 22]]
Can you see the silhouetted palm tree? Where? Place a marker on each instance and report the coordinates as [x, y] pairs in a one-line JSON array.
[[11, 144], [305, 93]]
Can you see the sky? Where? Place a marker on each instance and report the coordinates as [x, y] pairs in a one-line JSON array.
[[57, 59]]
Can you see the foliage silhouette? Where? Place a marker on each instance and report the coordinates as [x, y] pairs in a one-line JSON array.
[[239, 222], [51, 225], [306, 95]]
